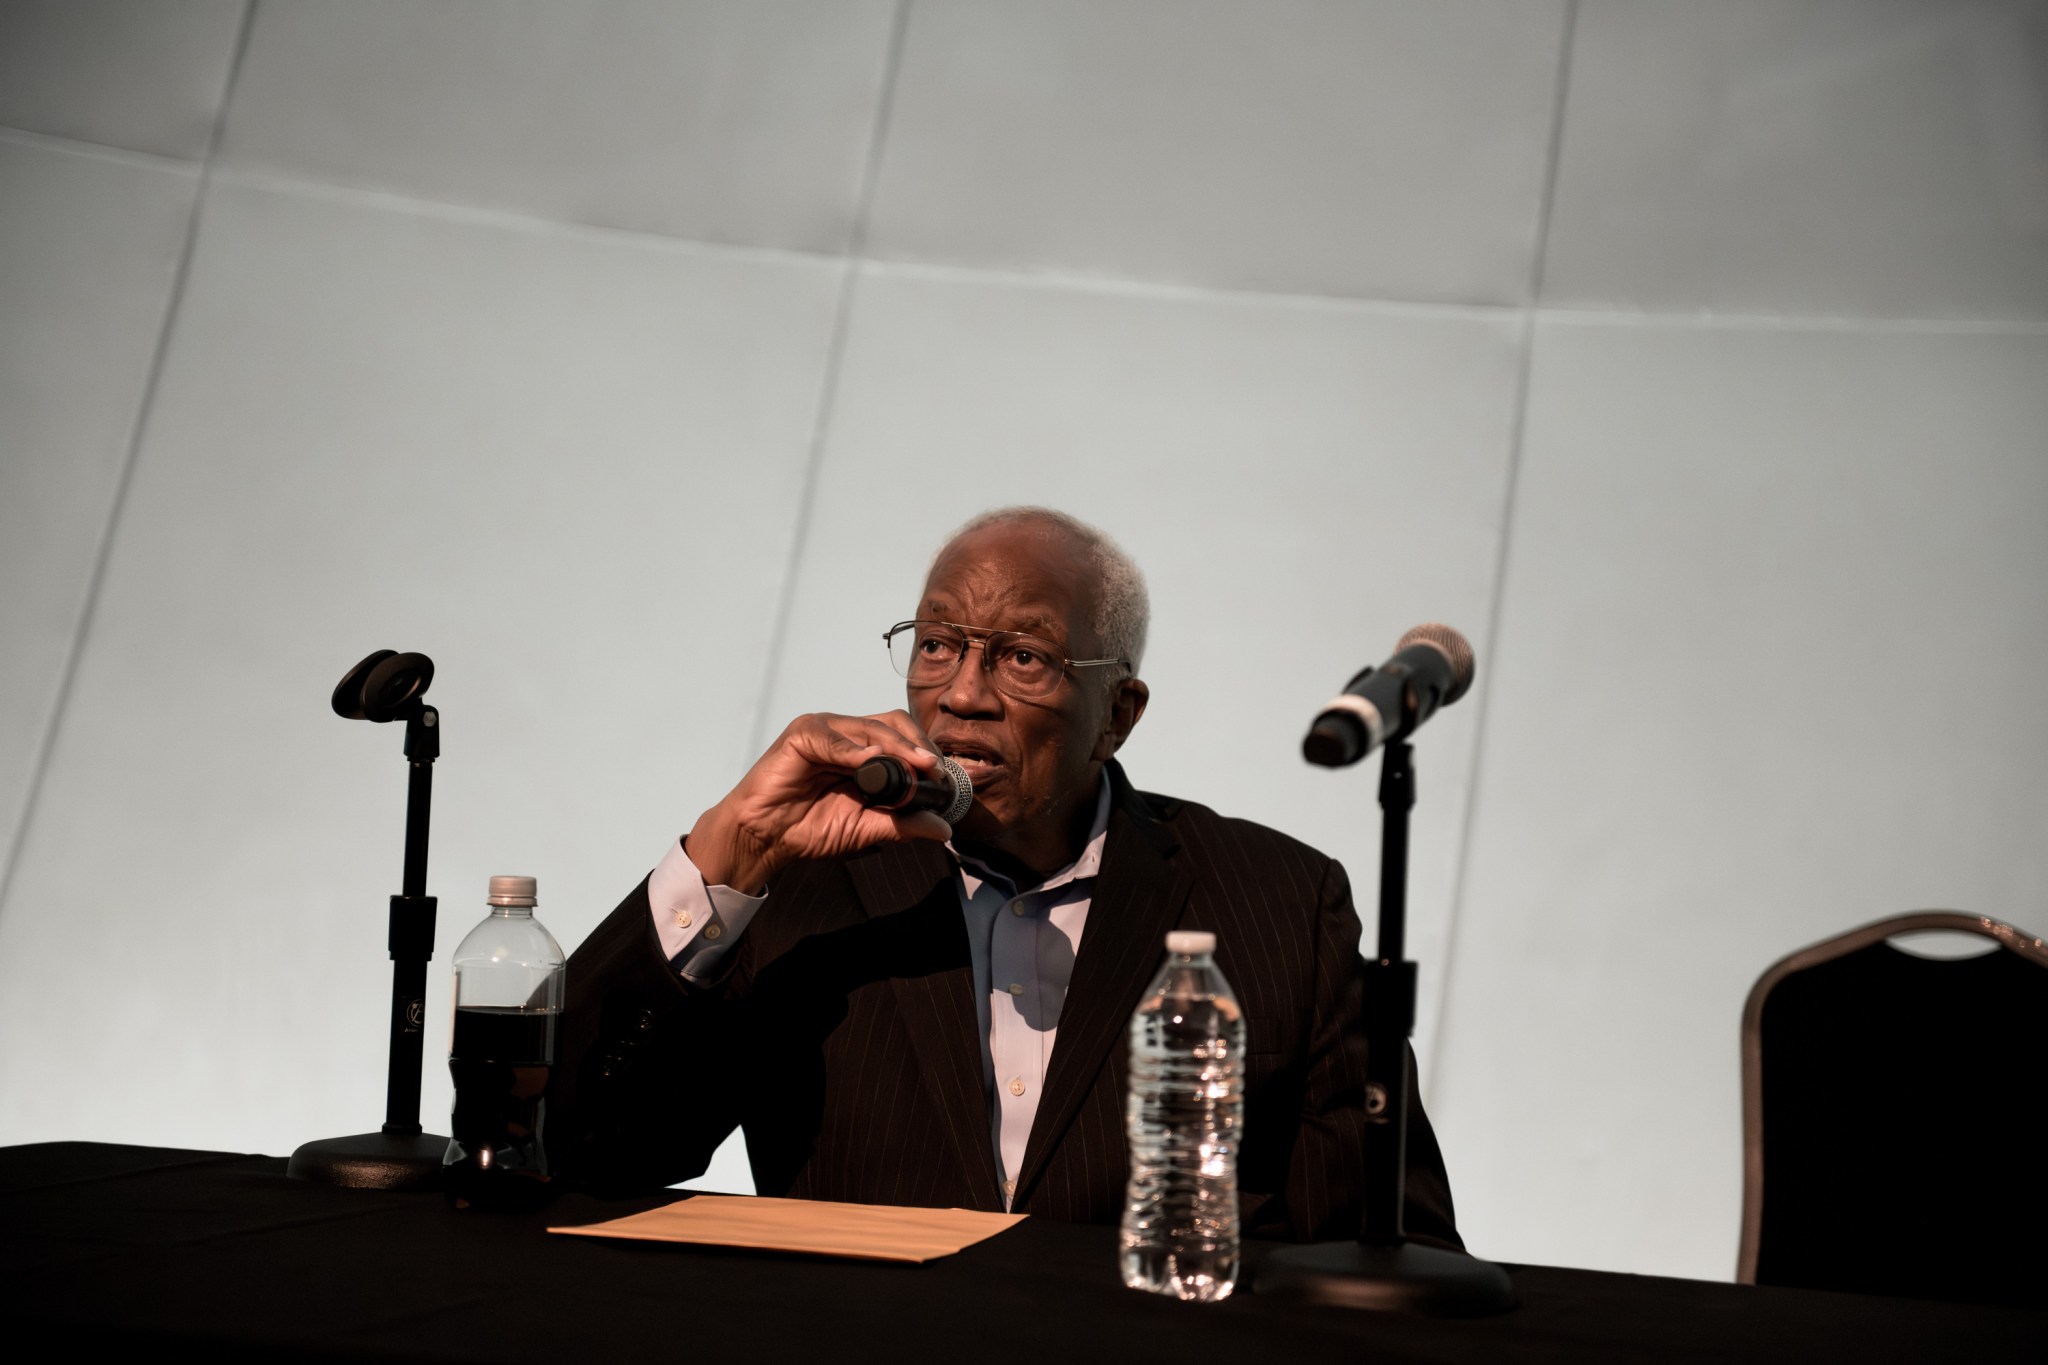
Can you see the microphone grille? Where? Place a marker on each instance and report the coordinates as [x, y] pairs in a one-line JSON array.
[[963, 792], [1452, 646]]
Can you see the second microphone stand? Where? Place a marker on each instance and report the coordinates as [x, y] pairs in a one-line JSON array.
[[1383, 1269], [400, 1155]]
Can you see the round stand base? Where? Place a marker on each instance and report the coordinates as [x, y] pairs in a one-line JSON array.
[[1396, 1277], [372, 1161]]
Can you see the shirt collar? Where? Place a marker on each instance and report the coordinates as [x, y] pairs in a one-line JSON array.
[[1089, 864]]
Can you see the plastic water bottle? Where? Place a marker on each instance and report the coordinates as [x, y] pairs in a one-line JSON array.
[[508, 997], [1185, 1111]]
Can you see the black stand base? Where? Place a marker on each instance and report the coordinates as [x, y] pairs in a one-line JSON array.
[[372, 1161], [1396, 1277]]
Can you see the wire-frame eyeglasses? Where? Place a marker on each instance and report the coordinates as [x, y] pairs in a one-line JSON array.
[[1022, 667]]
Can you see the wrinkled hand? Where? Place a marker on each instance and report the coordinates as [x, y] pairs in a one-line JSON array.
[[798, 800]]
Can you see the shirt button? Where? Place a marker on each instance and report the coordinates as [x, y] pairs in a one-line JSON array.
[[1016, 1085], [1016, 988], [682, 919], [712, 931]]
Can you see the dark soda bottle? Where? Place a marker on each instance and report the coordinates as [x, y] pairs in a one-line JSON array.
[[508, 997]]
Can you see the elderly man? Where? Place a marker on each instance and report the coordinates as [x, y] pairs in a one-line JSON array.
[[901, 1012]]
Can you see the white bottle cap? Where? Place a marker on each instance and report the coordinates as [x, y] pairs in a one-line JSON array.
[[1189, 942], [513, 890]]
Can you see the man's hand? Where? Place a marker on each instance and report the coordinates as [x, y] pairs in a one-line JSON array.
[[797, 801]]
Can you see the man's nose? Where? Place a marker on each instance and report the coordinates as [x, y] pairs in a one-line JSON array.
[[972, 692]]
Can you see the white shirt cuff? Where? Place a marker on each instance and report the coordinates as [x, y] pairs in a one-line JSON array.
[[697, 924]]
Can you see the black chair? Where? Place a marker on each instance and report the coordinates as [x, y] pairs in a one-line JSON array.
[[1895, 1117]]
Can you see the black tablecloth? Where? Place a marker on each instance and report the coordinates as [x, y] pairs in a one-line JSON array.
[[139, 1247]]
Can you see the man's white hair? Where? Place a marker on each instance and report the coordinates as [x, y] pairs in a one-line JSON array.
[[1123, 612]]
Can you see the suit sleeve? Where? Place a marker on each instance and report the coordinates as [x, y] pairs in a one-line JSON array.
[[646, 1064], [1325, 1192]]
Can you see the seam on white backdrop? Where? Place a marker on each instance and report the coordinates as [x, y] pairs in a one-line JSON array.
[[1490, 639], [828, 382], [39, 766], [100, 151]]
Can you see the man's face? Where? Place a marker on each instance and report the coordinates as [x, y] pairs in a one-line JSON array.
[[1035, 764]]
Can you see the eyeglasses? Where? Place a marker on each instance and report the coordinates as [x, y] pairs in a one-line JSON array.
[[1022, 667]]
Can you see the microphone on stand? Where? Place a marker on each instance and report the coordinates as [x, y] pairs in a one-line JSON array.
[[891, 784], [1432, 667]]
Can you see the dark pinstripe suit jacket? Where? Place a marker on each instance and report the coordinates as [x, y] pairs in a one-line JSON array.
[[844, 1036]]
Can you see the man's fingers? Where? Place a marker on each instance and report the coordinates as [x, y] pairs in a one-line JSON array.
[[901, 723], [849, 741], [924, 824]]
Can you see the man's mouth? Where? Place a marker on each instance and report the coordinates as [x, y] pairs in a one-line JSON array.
[[978, 763]]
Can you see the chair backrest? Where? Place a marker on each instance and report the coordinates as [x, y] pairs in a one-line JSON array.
[[1895, 1117]]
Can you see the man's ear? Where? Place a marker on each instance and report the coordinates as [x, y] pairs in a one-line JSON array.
[[1126, 706]]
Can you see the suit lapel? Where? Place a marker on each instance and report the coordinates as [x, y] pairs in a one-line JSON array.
[[1138, 897], [937, 1002]]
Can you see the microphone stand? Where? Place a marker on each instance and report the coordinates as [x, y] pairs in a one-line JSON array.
[[399, 1156], [1383, 1269]]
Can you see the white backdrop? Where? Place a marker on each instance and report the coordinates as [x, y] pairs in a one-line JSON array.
[[630, 357]]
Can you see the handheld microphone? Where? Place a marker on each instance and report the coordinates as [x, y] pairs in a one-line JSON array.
[[891, 784], [1432, 667]]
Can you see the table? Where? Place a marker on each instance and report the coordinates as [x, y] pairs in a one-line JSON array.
[[109, 1246]]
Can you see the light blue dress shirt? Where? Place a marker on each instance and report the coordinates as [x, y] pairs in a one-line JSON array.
[[1023, 943]]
